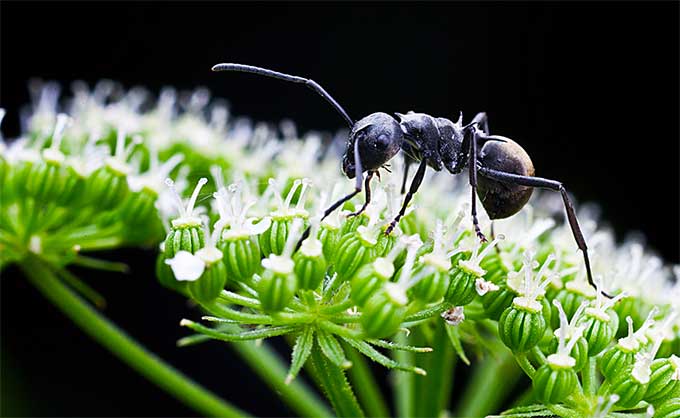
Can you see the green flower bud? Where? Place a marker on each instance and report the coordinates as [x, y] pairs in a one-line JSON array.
[[495, 303], [553, 383], [139, 207], [329, 237], [631, 390], [522, 325], [461, 289], [278, 283], [384, 311], [669, 409], [273, 240], [353, 252], [664, 382], [370, 279], [277, 288], [620, 356], [433, 286], [571, 298], [208, 287], [165, 276], [310, 265], [599, 331], [184, 237], [241, 257]]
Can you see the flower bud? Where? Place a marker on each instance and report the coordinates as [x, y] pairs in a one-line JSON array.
[[553, 383], [278, 283], [310, 265], [664, 382], [352, 253], [568, 339], [522, 325], [669, 409], [241, 257], [630, 389], [273, 240], [621, 355], [384, 311], [369, 279], [208, 287]]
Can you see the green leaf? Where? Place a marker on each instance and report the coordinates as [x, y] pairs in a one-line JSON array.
[[378, 357], [332, 350], [394, 346], [301, 351], [454, 337], [255, 334], [536, 410]]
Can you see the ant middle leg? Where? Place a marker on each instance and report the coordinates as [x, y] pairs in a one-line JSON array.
[[367, 191], [415, 184], [472, 165], [557, 186]]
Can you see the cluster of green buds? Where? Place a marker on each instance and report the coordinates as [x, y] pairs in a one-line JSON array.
[[255, 252]]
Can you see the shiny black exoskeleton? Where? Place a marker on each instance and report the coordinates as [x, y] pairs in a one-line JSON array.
[[499, 169]]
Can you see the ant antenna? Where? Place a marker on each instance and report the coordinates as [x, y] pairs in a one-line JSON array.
[[286, 77]]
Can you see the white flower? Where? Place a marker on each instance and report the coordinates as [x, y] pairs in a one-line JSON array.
[[186, 266]]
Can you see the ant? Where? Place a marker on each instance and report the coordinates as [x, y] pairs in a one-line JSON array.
[[499, 168]]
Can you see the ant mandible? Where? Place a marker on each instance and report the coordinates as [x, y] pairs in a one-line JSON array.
[[499, 168]]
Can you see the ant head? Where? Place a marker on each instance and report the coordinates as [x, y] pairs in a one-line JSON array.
[[377, 138]]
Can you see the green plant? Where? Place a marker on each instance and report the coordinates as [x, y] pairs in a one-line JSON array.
[[415, 301]]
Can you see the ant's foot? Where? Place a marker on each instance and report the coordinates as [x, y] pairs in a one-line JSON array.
[[390, 228], [357, 213], [480, 235]]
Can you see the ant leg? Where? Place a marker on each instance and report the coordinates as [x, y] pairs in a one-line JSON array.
[[472, 165], [367, 186], [557, 186], [407, 164], [415, 184], [482, 119], [358, 177]]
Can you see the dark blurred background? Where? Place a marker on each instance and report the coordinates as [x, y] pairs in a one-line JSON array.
[[589, 90]]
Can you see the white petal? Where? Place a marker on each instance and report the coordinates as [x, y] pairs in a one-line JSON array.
[[186, 266]]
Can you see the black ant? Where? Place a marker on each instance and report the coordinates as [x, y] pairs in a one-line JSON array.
[[506, 174]]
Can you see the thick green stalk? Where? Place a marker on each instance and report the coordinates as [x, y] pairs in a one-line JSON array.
[[124, 347], [335, 385], [492, 380], [404, 391], [437, 384], [269, 366], [367, 388]]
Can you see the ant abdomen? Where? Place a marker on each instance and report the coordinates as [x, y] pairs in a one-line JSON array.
[[502, 200], [378, 137]]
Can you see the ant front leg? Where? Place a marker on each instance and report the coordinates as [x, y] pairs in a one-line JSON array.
[[472, 165], [367, 186], [407, 165], [415, 184], [358, 177], [557, 186]]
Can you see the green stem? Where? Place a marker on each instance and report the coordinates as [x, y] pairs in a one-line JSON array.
[[404, 384], [335, 386], [589, 376], [269, 366], [367, 388], [486, 391], [525, 364], [124, 347], [437, 384]]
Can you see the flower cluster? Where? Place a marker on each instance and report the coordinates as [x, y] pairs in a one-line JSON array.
[[237, 212]]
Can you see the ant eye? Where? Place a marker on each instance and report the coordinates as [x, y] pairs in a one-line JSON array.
[[382, 141]]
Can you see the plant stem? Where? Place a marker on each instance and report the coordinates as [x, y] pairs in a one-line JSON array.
[[563, 412], [367, 388], [525, 364], [437, 384], [335, 385], [269, 366], [404, 389], [115, 340], [492, 380]]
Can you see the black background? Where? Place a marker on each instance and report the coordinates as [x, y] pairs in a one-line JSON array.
[[589, 90]]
